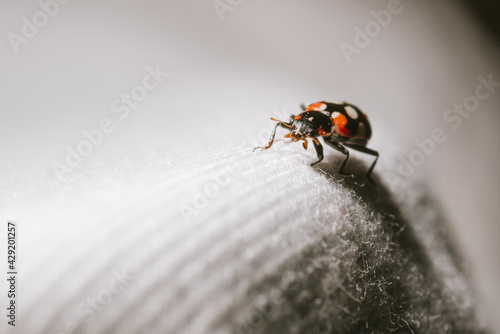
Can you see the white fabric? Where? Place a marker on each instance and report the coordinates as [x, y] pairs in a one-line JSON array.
[[230, 241]]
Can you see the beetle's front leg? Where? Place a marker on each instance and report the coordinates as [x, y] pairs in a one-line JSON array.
[[271, 140], [319, 151]]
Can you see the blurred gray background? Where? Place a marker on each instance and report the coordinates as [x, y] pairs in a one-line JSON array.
[[230, 71]]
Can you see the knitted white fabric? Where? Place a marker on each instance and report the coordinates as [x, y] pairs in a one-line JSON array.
[[231, 241]]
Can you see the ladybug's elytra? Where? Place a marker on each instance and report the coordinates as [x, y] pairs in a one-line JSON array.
[[338, 123]]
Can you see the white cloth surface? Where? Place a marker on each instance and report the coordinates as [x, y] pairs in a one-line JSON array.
[[247, 244], [230, 241]]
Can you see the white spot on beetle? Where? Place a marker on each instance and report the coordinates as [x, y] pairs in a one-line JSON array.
[[351, 112], [335, 114], [310, 119]]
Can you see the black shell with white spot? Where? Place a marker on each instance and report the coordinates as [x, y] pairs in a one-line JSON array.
[[357, 125]]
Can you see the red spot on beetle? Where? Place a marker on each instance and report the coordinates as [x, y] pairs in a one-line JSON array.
[[322, 132], [340, 123], [316, 107], [298, 117]]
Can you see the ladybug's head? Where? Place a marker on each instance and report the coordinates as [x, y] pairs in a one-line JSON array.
[[302, 128], [311, 124]]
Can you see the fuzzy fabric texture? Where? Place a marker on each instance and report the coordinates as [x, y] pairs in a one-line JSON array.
[[231, 241]]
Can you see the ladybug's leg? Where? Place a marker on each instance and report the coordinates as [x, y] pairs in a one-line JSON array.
[[341, 149], [303, 107], [367, 151], [273, 134], [319, 151]]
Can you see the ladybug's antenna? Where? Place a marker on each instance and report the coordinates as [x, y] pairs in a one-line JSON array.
[[285, 124]]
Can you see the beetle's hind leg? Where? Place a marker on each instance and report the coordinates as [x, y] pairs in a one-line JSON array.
[[367, 151]]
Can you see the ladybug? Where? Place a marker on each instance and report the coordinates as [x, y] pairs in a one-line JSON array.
[[338, 123]]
